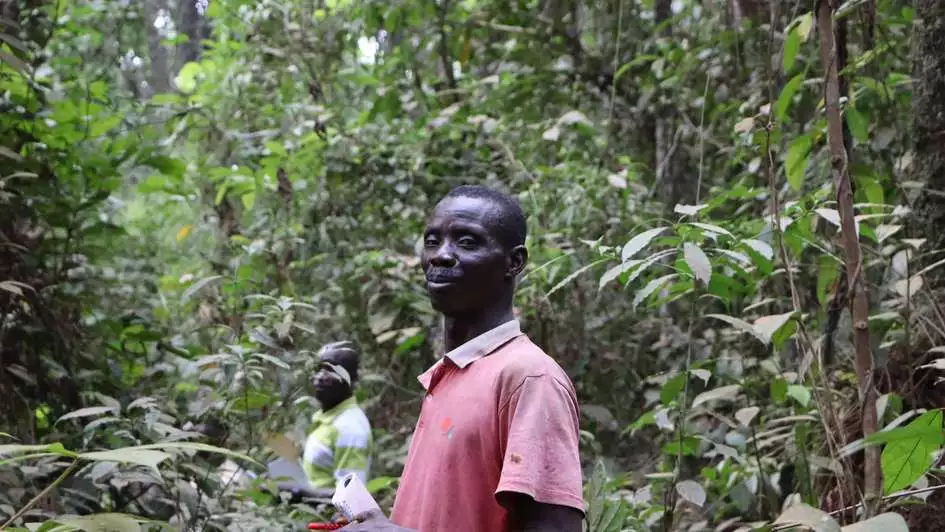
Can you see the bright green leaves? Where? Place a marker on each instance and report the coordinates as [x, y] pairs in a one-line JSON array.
[[858, 123], [186, 80], [798, 159], [786, 97], [637, 243], [764, 328], [673, 387], [910, 453], [799, 32]]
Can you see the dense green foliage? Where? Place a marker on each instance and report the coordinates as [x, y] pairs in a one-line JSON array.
[[195, 197]]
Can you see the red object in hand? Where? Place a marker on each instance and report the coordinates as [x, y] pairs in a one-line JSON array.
[[325, 526]]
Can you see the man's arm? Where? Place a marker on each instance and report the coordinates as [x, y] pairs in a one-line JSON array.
[[305, 490], [538, 517], [541, 476]]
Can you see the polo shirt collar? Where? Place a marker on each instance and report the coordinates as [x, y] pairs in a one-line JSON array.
[[483, 345], [323, 416]]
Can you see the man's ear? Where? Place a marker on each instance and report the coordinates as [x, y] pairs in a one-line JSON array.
[[518, 258]]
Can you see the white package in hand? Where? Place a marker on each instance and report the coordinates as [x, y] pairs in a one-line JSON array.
[[352, 498]]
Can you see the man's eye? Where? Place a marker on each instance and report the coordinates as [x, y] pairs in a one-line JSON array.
[[467, 242], [429, 241]]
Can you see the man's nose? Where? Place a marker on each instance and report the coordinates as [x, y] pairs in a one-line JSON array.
[[444, 256]]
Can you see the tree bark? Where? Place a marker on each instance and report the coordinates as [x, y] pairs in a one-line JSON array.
[[859, 303], [928, 127], [159, 77], [191, 24]]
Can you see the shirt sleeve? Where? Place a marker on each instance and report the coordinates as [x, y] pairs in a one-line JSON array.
[[541, 456], [352, 454]]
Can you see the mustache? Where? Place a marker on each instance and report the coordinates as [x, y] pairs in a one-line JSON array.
[[443, 275]]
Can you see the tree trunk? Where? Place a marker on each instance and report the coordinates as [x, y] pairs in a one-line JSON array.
[[159, 77], [671, 183], [852, 256], [928, 103], [191, 24]]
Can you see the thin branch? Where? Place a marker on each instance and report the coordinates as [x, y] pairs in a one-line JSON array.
[[32, 502]]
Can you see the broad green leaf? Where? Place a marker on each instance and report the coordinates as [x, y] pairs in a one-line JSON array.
[[792, 45], [827, 274], [702, 374], [722, 393], [248, 199], [766, 326], [186, 80], [712, 229], [128, 455], [166, 165], [106, 522], [786, 97], [884, 231], [859, 124], [8, 153], [647, 263], [798, 159], [13, 42], [746, 415], [275, 361], [599, 413], [14, 287], [104, 125], [574, 275], [739, 324], [802, 514], [905, 460], [804, 24], [688, 210], [887, 522], [779, 390], [196, 287], [648, 418], [799, 393], [691, 491], [672, 388], [745, 125], [14, 61], [11, 449], [762, 248], [616, 272], [378, 484], [638, 242], [650, 288], [196, 447], [90, 411], [698, 262]]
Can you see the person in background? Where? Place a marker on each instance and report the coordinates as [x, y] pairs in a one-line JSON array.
[[339, 441], [496, 445]]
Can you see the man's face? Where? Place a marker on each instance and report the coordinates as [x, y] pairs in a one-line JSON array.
[[465, 263], [327, 385]]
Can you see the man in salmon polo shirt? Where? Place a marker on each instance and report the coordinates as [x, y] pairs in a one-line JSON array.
[[496, 445]]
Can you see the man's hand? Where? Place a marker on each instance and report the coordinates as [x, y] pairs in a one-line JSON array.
[[374, 522]]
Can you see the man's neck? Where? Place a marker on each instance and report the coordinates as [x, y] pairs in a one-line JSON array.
[[332, 404], [460, 329]]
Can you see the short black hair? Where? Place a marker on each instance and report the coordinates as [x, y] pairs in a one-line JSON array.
[[512, 223], [349, 356]]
